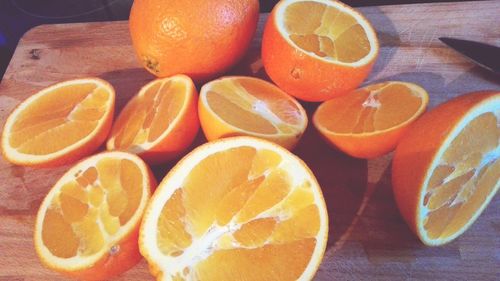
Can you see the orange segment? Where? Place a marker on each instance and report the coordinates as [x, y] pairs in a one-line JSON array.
[[280, 261], [318, 49], [234, 106], [276, 227], [85, 225], [368, 122], [453, 165], [59, 124], [159, 122], [255, 233]]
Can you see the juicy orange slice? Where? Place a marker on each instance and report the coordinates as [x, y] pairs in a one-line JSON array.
[[234, 209], [160, 122], [239, 106], [87, 225], [59, 124], [447, 167], [318, 49], [369, 122]]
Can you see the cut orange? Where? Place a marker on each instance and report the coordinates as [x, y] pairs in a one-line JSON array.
[[160, 122], [446, 169], [60, 124], [246, 106], [370, 121], [318, 49], [87, 225], [236, 209]]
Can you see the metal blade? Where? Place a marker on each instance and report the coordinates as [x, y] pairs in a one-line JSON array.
[[485, 55]]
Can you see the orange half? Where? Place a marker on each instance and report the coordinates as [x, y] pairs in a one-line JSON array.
[[160, 122], [60, 124], [236, 209], [446, 169], [318, 49], [87, 225], [247, 106], [369, 122]]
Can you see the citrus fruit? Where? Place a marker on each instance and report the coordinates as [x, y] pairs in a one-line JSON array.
[[198, 38], [87, 225], [59, 124], [446, 168], [160, 122], [370, 121], [239, 208], [318, 49], [237, 106]]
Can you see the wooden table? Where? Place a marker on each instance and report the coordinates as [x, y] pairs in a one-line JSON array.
[[368, 239]]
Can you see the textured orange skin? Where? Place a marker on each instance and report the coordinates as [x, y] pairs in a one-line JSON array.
[[128, 255], [418, 148], [303, 76], [214, 128], [198, 38], [82, 151], [180, 137]]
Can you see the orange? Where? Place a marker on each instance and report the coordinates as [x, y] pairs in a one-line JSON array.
[[446, 169], [236, 209], [198, 38], [246, 106], [317, 50], [160, 122], [370, 121], [87, 225], [59, 124]]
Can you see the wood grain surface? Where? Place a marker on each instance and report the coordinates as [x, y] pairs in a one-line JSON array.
[[368, 239]]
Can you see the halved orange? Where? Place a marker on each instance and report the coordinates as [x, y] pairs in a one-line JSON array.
[[370, 121], [160, 122], [446, 168], [247, 106], [318, 49], [87, 225], [239, 208], [59, 124]]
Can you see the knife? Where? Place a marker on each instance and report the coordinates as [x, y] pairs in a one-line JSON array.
[[485, 55]]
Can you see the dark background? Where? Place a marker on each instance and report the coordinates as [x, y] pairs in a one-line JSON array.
[[18, 16]]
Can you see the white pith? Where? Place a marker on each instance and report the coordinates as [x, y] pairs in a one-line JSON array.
[[204, 246]]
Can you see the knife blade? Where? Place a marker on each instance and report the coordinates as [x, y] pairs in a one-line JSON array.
[[485, 55]]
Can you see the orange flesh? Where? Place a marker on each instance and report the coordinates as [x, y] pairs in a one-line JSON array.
[[149, 115], [59, 119], [326, 31], [467, 174], [370, 109], [253, 106], [109, 193], [272, 221]]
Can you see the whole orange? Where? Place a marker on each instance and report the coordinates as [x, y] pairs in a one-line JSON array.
[[198, 38]]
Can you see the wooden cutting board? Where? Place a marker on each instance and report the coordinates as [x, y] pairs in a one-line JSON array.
[[368, 239]]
